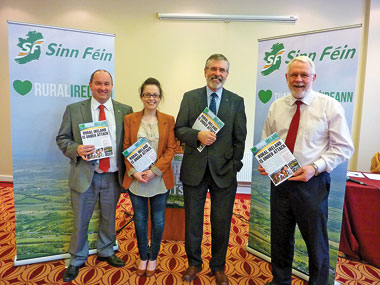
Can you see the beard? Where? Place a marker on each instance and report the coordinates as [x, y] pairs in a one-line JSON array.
[[299, 93], [215, 82]]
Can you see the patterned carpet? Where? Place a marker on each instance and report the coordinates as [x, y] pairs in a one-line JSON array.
[[241, 268]]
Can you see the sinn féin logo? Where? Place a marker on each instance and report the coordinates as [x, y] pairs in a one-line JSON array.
[[30, 48], [273, 59]]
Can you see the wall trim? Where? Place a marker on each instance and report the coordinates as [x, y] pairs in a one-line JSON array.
[[6, 178]]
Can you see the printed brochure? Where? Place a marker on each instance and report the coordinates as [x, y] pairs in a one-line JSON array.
[[276, 158], [207, 121], [141, 155], [97, 134]]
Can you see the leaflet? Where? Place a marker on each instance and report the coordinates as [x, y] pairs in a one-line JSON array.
[[207, 121], [276, 158], [141, 155], [97, 134]]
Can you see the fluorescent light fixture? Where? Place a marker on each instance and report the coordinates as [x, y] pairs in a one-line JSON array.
[[225, 18]]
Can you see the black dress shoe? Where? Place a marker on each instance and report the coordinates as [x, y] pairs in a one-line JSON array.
[[71, 273], [112, 260]]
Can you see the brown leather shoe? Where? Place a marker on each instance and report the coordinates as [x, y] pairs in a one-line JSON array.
[[141, 272], [220, 278], [150, 272], [191, 273]]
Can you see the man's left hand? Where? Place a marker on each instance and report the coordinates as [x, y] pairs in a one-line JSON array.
[[303, 174]]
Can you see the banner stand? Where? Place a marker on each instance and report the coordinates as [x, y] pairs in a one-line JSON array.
[[65, 256], [295, 272], [335, 53], [49, 68]]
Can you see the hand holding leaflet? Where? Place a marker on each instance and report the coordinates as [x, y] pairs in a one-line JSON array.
[[207, 121], [96, 134], [275, 158], [141, 155]]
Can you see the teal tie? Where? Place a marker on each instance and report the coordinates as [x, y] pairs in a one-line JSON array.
[[213, 103]]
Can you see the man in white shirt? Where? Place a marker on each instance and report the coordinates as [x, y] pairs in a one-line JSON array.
[[322, 142]]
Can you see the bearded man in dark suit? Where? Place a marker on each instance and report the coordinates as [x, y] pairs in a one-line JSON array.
[[214, 168]]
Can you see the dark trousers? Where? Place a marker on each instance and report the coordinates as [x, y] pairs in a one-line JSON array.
[[222, 203], [306, 205]]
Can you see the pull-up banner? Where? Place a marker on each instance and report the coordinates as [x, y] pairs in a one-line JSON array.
[[49, 68], [335, 53]]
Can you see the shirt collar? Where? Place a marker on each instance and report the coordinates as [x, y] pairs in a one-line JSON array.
[[305, 100], [95, 104], [217, 92]]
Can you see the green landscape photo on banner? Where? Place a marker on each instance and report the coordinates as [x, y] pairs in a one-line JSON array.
[[49, 68]]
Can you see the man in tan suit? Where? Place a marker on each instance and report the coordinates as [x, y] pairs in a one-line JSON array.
[[87, 182]]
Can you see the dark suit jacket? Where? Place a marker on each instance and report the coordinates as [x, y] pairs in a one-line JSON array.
[[224, 156], [68, 139], [166, 145]]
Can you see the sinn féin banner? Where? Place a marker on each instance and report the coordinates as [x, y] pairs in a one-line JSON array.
[[335, 53], [49, 68]]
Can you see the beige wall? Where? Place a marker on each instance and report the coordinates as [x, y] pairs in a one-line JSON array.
[[369, 135], [172, 51]]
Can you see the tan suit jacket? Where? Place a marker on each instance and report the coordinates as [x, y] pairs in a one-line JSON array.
[[166, 146], [68, 139]]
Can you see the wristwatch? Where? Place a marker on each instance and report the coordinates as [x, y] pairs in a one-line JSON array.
[[316, 168]]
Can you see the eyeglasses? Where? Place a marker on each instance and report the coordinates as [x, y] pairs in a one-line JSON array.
[[215, 69], [148, 95], [303, 75]]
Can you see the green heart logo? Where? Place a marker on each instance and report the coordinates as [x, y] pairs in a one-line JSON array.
[[22, 87], [265, 95]]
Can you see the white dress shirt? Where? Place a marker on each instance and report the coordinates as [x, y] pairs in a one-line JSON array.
[[110, 118], [323, 135]]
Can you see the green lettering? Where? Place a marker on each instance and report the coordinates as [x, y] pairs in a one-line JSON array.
[[76, 91], [325, 52], [343, 97], [83, 90], [51, 49], [87, 52], [96, 55], [350, 95], [335, 54], [291, 55], [107, 56], [312, 55], [337, 96], [66, 52], [350, 53]]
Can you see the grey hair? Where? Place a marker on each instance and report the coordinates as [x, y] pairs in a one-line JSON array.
[[302, 58], [217, 56]]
